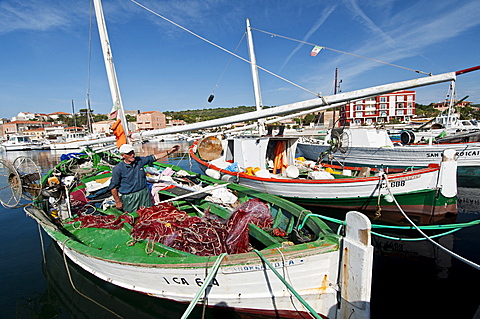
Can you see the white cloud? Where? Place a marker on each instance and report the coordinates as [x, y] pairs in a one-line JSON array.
[[32, 15]]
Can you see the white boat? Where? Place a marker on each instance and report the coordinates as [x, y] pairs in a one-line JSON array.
[[440, 129], [373, 147], [19, 142], [169, 138], [76, 141], [268, 164]]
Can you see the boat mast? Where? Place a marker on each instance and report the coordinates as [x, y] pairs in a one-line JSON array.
[[335, 92], [111, 74], [449, 123], [256, 81], [74, 119]]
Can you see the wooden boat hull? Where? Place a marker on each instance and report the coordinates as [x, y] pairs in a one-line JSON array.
[[243, 281], [245, 286], [468, 157], [416, 191]]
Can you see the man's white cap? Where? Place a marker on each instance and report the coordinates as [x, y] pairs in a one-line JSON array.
[[126, 148]]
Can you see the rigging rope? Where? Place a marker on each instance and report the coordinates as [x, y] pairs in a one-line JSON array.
[[222, 48], [453, 227], [226, 67], [75, 288], [343, 52]]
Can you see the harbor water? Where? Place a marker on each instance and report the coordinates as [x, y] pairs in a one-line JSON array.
[[411, 279]]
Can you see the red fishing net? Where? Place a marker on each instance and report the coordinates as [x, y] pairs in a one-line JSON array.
[[251, 212], [168, 225], [206, 236], [103, 221]]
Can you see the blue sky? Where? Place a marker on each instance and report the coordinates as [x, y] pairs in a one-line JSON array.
[[44, 51]]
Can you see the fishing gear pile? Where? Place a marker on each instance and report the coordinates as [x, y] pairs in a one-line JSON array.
[[206, 236]]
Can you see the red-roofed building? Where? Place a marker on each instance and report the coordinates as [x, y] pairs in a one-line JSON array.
[[14, 127], [176, 122], [56, 115], [379, 109], [38, 133]]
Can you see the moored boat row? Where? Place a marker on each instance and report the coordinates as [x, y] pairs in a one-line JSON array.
[[262, 234]]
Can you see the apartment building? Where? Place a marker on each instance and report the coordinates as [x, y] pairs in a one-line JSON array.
[[379, 109], [151, 120]]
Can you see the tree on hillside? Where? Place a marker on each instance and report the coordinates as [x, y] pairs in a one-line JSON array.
[[426, 110]]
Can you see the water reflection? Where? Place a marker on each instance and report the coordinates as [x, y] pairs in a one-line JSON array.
[[46, 159], [90, 297], [415, 279], [468, 200]]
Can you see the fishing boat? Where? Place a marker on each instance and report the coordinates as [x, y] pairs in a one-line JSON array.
[[18, 142], [76, 141], [419, 147], [200, 233], [70, 141], [268, 164], [328, 275], [361, 146]]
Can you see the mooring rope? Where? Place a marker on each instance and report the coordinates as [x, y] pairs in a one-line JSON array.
[[204, 286], [451, 253], [453, 228], [75, 288], [289, 287]]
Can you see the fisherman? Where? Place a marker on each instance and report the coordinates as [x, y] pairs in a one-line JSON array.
[[129, 181]]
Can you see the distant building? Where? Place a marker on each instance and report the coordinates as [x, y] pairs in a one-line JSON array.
[[176, 122], [41, 116], [289, 123], [151, 120], [102, 127], [18, 127], [38, 133], [379, 109], [24, 116], [56, 115], [442, 106]]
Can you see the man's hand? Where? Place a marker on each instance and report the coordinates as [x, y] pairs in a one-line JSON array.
[[119, 205], [174, 149]]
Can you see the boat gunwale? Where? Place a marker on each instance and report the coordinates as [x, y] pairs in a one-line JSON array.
[[272, 254], [391, 176], [327, 241]]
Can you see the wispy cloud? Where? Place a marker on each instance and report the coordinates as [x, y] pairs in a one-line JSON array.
[[417, 34], [357, 12], [31, 15], [323, 16]]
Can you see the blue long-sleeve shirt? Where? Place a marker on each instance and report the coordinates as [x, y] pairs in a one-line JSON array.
[[130, 178]]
